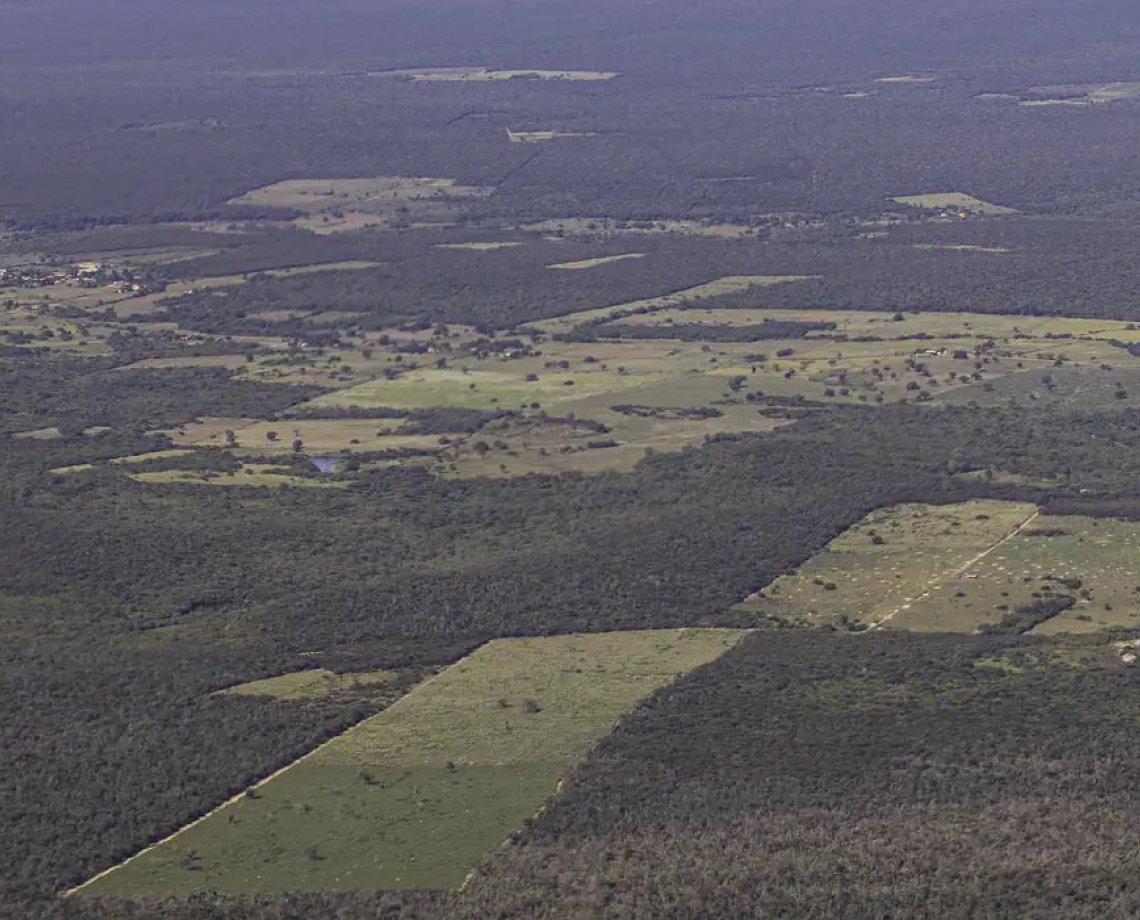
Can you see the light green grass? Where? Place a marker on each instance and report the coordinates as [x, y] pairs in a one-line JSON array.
[[482, 388], [251, 475], [601, 260], [314, 684], [958, 200], [1104, 554], [152, 455], [719, 287], [39, 434], [414, 796], [858, 580], [538, 137], [489, 246], [487, 75], [904, 79]]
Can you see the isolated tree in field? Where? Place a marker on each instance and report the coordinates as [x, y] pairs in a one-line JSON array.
[[231, 438], [271, 436], [298, 445]]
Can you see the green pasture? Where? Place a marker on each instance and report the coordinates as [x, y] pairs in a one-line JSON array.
[[958, 200], [415, 795], [251, 475], [1095, 560], [314, 684], [880, 568]]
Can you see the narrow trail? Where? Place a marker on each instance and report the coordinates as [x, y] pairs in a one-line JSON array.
[[936, 583]]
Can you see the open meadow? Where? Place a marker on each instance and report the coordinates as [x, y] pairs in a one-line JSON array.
[[416, 795], [979, 566]]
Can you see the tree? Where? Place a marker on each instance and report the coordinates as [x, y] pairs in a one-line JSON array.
[[298, 445], [271, 436]]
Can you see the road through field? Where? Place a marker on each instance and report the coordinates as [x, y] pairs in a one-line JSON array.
[[961, 570]]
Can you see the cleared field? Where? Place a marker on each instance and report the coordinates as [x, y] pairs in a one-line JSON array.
[[1096, 561], [1092, 94], [904, 78], [251, 475], [338, 205], [909, 324], [877, 571], [328, 436], [719, 287], [1085, 388], [957, 200], [538, 137], [959, 568], [208, 431], [39, 434], [601, 260], [960, 247], [319, 684], [533, 447], [484, 388], [487, 75], [479, 247], [603, 227], [415, 795]]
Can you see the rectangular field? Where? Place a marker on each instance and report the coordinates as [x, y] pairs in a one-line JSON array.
[[414, 796], [967, 568], [882, 566], [959, 200]]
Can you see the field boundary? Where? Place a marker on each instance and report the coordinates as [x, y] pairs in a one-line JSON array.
[[256, 785]]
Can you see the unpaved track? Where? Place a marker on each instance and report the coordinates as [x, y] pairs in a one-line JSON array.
[[961, 570]]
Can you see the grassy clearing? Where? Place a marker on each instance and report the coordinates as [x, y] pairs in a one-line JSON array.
[[953, 200], [1097, 561], [594, 263], [960, 247], [152, 455], [329, 436], [604, 227], [484, 387], [882, 324], [487, 75], [251, 475], [414, 796], [877, 571], [1081, 387], [904, 79], [39, 434], [339, 205], [1089, 94], [538, 137], [719, 287], [319, 684], [958, 568], [491, 246], [207, 431]]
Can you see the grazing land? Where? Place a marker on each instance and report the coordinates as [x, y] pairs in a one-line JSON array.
[[969, 567], [880, 570], [601, 260], [488, 75], [404, 406], [416, 795], [953, 200]]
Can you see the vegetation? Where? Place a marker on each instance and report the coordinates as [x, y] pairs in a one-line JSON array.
[[543, 338], [413, 796]]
